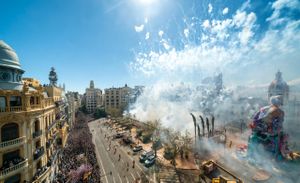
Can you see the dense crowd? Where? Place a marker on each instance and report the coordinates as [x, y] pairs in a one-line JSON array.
[[11, 163], [78, 158]]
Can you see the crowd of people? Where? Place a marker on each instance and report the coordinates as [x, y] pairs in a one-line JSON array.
[[78, 154], [10, 163]]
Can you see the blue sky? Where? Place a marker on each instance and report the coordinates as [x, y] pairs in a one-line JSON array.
[[103, 39]]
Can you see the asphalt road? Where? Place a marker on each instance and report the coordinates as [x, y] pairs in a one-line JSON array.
[[108, 152]]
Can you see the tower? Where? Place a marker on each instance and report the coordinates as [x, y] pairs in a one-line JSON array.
[[53, 77], [279, 87], [92, 86]]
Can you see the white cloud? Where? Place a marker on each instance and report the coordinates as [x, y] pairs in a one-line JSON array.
[[220, 28], [161, 33], [239, 18], [186, 32], [139, 28], [210, 8], [247, 32], [225, 11], [278, 6], [147, 36], [206, 24]]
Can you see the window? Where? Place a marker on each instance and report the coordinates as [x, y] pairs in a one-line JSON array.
[[13, 179], [15, 101], [2, 103], [31, 100], [37, 125], [9, 132]]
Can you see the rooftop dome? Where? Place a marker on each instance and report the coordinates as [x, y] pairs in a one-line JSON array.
[[8, 57], [278, 83]]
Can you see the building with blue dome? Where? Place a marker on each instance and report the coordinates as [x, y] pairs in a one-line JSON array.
[[33, 123]]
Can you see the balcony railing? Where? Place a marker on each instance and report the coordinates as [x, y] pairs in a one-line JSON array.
[[49, 143], [11, 109], [40, 174], [52, 125], [2, 109], [48, 102], [38, 153], [14, 168], [37, 133], [53, 157], [12, 142], [36, 106]]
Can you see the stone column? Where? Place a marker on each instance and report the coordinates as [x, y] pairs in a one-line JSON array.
[[8, 103], [26, 128]]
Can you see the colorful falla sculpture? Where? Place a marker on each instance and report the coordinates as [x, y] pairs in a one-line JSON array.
[[267, 132]]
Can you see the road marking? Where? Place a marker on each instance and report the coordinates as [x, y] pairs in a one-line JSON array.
[[120, 177], [114, 179], [132, 176], [100, 161], [122, 161]]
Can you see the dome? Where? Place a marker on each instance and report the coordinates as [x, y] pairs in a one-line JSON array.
[[8, 57], [278, 84]]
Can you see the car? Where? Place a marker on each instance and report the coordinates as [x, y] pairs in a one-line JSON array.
[[119, 135], [137, 148], [127, 140], [145, 156], [150, 161]]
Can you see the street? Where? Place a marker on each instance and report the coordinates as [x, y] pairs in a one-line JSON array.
[[116, 164]]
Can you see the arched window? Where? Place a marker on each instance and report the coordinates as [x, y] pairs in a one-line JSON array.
[[9, 132]]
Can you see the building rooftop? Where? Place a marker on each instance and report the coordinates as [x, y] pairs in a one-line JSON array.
[[8, 57]]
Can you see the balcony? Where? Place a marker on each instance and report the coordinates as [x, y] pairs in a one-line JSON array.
[[12, 143], [49, 143], [37, 133], [52, 125], [36, 106], [53, 158], [12, 109], [41, 174], [16, 109], [38, 153], [51, 140], [13, 168], [48, 102]]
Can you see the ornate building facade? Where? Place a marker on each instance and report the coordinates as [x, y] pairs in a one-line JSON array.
[[93, 98], [33, 123]]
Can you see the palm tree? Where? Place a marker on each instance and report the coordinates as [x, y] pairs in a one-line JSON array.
[[195, 125], [213, 124], [207, 126], [199, 133], [203, 126]]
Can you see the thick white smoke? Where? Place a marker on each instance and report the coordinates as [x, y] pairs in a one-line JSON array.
[[184, 72]]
